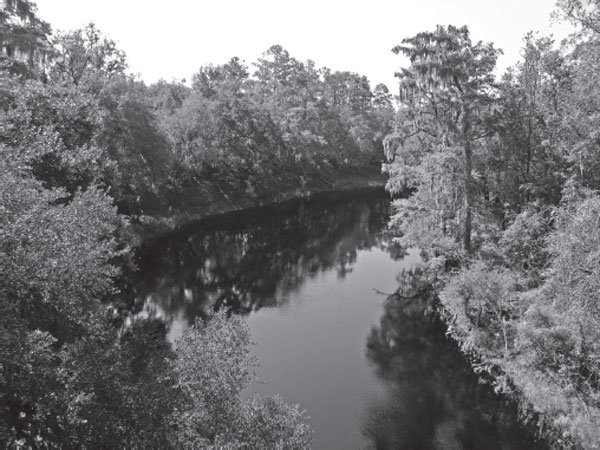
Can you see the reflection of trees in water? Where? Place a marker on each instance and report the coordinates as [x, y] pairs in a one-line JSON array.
[[433, 398], [251, 260]]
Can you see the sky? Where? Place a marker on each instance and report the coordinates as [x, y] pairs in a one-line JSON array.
[[173, 39]]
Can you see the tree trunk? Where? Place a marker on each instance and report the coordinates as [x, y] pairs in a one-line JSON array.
[[468, 180]]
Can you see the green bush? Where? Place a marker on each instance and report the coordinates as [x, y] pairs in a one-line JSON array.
[[523, 243], [213, 366], [484, 302]]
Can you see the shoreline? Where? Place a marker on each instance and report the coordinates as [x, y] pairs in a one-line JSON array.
[[148, 227], [510, 377]]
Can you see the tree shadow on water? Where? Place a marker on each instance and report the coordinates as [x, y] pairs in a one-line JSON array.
[[251, 260], [432, 400]]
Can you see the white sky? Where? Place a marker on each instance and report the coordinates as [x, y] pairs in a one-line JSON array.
[[172, 39]]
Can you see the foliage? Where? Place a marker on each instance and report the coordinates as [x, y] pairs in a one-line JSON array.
[[445, 100], [382, 97], [420, 367], [86, 136], [430, 217], [523, 243], [579, 124], [67, 377], [483, 301], [573, 276], [54, 253], [524, 155], [52, 127], [213, 366], [245, 130], [584, 13], [128, 134], [557, 336], [287, 126], [524, 301], [85, 56], [24, 43], [57, 262]]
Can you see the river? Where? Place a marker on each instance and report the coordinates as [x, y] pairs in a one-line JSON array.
[[310, 276]]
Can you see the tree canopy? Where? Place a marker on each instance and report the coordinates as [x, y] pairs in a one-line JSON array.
[[87, 149], [446, 99], [504, 205]]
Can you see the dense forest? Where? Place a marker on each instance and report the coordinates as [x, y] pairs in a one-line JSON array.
[[503, 175], [87, 149], [505, 207]]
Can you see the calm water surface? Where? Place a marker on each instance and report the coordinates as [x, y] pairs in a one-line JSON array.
[[372, 371]]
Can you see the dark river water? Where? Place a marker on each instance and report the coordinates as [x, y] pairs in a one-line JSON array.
[[371, 371]]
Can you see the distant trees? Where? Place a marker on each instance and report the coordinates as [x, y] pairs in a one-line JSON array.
[[382, 97], [248, 129]]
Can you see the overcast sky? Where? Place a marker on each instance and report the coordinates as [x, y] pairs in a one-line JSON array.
[[172, 39]]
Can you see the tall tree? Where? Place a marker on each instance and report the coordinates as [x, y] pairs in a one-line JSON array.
[[85, 53], [445, 96], [211, 80], [382, 97], [523, 157]]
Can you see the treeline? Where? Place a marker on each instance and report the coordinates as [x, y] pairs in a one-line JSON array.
[[505, 206], [82, 143], [281, 125]]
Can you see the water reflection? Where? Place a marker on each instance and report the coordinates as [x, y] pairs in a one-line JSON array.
[[432, 398], [307, 272], [250, 260]]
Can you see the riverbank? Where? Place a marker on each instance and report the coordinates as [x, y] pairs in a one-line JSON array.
[[499, 345], [561, 416], [285, 265], [212, 198]]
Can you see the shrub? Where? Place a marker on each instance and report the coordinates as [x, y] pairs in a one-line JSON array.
[[483, 301], [213, 366]]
